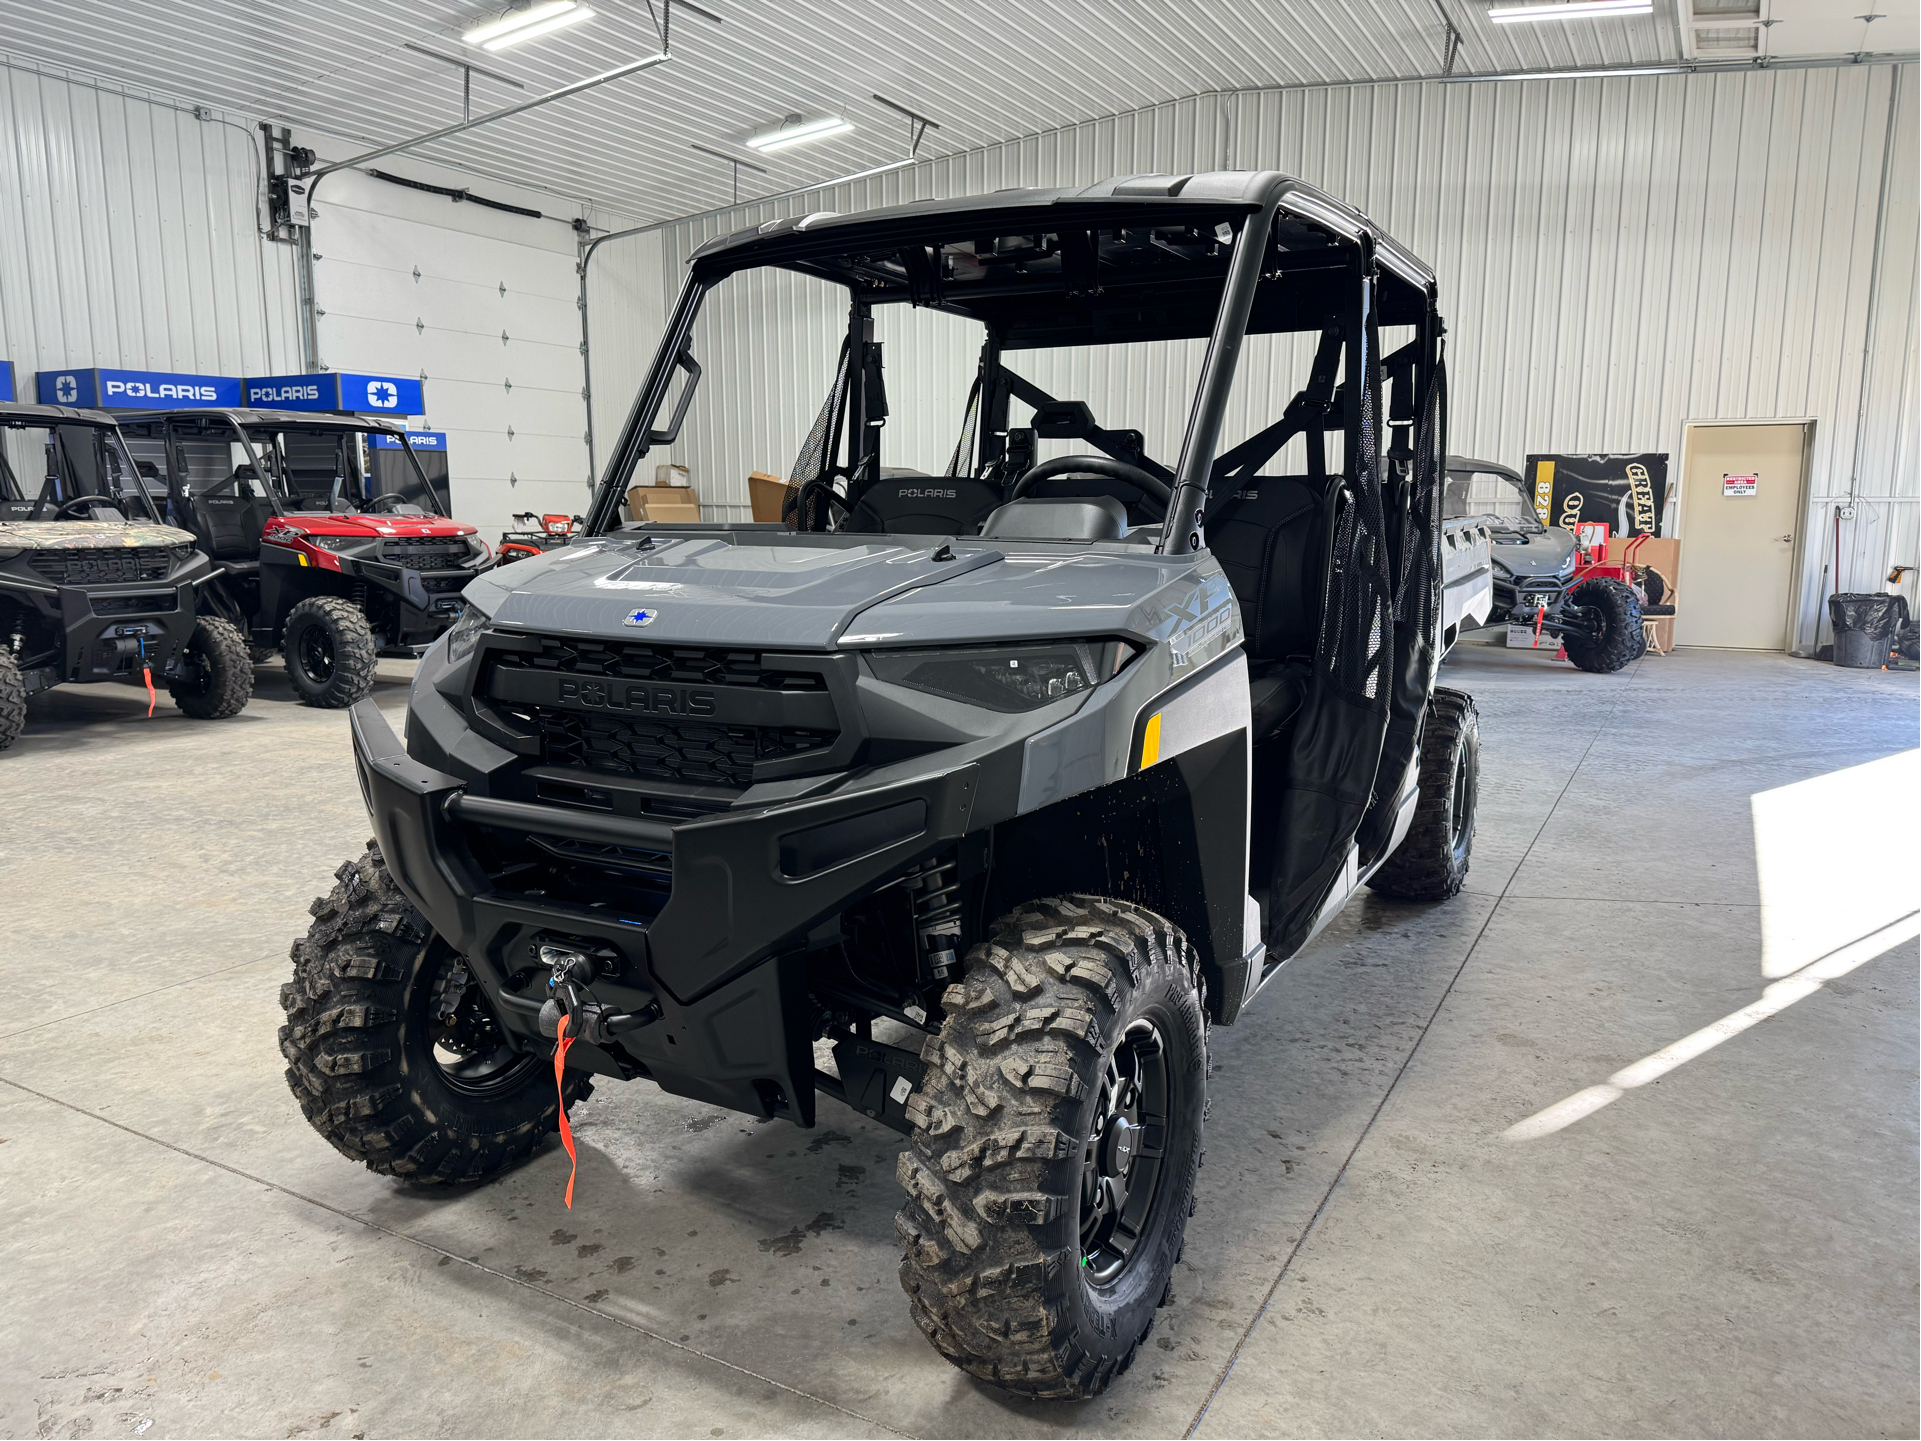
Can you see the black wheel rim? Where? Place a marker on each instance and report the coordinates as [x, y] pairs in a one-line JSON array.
[[1461, 811], [1125, 1154], [196, 672], [316, 654], [468, 1049]]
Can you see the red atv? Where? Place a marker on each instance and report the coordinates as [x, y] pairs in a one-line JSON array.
[[530, 540], [309, 556]]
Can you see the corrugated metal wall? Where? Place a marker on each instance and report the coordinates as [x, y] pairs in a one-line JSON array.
[[129, 236], [1617, 257]]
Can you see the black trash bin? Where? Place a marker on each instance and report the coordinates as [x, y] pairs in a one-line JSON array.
[[1865, 627]]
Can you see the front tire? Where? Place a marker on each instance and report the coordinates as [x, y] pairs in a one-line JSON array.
[[330, 652], [1056, 1140], [392, 1050], [218, 680], [1431, 862], [13, 699], [1621, 638]]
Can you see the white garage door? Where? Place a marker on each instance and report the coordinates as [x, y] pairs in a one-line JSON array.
[[479, 303]]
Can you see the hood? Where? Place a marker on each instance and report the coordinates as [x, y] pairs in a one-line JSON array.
[[713, 591], [364, 526], [87, 534], [1533, 553]]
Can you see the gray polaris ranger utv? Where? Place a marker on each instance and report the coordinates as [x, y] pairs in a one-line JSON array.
[[1006, 782]]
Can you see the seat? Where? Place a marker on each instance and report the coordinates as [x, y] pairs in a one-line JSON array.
[[228, 518], [906, 502], [1268, 538]]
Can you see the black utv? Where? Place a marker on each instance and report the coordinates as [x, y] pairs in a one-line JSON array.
[[93, 587], [1044, 765], [310, 556]]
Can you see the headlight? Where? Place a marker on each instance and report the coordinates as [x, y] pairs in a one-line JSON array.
[[337, 542], [465, 635], [1006, 678], [1502, 571], [1567, 566], [478, 548]]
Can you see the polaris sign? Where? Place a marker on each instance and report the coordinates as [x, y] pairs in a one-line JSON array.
[[135, 389], [418, 439], [337, 390], [6, 381]]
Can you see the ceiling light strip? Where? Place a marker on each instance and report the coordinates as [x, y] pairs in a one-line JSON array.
[[1573, 10], [545, 27], [518, 20]]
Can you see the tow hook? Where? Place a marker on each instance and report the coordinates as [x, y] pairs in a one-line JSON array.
[[569, 994]]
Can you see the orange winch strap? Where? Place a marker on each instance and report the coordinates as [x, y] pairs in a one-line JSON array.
[[561, 1043]]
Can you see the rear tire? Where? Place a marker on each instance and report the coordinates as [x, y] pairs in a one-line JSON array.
[[219, 672], [1056, 1139], [392, 1050], [330, 652], [1621, 639], [13, 700], [1431, 862]]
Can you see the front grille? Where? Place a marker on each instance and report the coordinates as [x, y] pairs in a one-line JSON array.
[[444, 584], [426, 552], [678, 748], [688, 665], [107, 565], [694, 752]]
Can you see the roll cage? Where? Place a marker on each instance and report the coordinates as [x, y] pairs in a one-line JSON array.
[[87, 457], [260, 434]]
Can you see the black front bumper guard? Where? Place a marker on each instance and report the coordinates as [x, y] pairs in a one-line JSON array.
[[111, 632], [723, 958]]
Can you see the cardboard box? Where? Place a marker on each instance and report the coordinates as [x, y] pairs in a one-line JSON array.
[[672, 475], [767, 492], [668, 503]]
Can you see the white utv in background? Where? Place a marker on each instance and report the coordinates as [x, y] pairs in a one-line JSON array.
[[1055, 764]]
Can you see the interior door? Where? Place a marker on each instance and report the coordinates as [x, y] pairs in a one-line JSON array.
[[1741, 509]]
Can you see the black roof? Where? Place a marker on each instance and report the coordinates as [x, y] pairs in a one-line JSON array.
[[285, 419], [1134, 257], [17, 413]]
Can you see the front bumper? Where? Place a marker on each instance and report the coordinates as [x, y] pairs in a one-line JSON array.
[[113, 632], [723, 956]]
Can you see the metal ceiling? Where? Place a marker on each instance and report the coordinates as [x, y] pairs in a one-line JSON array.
[[987, 73]]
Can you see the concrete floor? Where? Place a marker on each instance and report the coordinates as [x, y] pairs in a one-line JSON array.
[[1729, 1249]]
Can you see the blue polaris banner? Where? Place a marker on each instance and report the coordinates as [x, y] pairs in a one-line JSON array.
[[338, 390], [135, 389], [6, 380], [419, 439]]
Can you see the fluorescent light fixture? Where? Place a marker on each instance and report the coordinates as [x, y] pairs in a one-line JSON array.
[[524, 24], [795, 131], [1573, 10], [1572, 74]]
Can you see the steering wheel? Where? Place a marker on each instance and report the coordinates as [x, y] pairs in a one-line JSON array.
[[1102, 465], [395, 496], [89, 501]]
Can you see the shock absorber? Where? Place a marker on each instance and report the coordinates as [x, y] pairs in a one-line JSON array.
[[937, 916]]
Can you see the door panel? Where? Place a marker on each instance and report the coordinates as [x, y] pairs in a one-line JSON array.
[[1738, 540]]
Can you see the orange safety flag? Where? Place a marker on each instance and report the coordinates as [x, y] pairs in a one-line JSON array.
[[561, 1042], [146, 672]]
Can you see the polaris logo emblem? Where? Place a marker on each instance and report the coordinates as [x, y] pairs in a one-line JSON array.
[[648, 699], [66, 389], [382, 395], [643, 616], [262, 394], [927, 493], [140, 390]]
